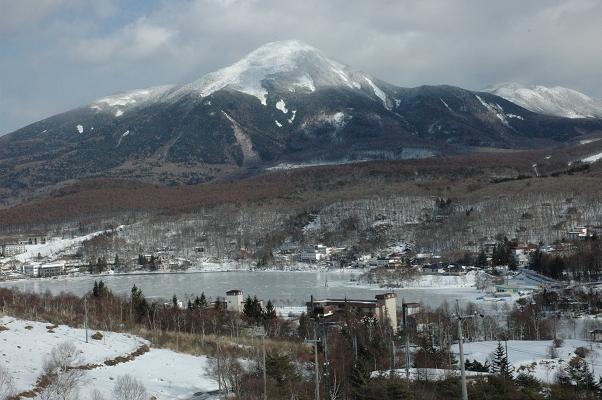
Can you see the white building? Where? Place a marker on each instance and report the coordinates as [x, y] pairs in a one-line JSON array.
[[314, 253], [12, 249], [43, 270], [234, 300]]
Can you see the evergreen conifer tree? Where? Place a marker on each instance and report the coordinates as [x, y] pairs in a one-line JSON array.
[[500, 364]]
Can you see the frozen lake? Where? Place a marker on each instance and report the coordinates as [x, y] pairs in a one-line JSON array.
[[283, 288]]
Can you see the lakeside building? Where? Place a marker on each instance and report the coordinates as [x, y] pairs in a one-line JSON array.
[[43, 270], [235, 301], [314, 253], [383, 308]]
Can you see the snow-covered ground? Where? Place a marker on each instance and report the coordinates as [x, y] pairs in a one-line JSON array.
[[165, 373], [436, 281], [24, 345], [526, 352], [431, 374], [290, 311], [55, 246]]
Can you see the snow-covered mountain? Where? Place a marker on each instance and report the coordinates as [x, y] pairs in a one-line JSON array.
[[558, 101], [284, 103], [288, 65]]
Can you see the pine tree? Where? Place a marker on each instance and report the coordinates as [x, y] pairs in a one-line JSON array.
[[359, 377], [95, 289], [248, 308], [203, 301], [500, 364], [482, 259], [270, 311], [578, 373], [174, 301]]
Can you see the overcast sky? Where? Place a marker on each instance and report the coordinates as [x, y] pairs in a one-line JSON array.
[[59, 54]]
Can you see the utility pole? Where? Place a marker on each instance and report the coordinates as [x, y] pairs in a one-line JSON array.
[[462, 370], [326, 369], [461, 347], [315, 342], [265, 379], [86, 317], [407, 335], [392, 358]]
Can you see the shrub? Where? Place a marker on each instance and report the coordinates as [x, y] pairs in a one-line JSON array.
[[582, 352], [97, 336]]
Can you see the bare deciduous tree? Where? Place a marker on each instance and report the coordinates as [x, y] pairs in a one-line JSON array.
[[63, 376], [96, 395], [7, 387], [62, 357], [63, 385], [129, 388]]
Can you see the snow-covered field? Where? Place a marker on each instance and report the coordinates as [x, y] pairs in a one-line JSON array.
[[526, 352], [25, 344], [54, 246], [165, 374], [431, 374]]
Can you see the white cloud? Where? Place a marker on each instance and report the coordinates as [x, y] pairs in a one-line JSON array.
[[140, 40], [23, 15]]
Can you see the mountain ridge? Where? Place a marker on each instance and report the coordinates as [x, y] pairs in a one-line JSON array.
[[267, 109], [557, 101]]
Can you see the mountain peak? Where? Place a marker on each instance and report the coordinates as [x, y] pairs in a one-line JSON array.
[[557, 100], [290, 64]]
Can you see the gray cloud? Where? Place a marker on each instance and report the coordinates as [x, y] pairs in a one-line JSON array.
[[61, 58]]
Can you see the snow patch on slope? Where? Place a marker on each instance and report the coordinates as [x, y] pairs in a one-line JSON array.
[[445, 104], [130, 99], [243, 140], [304, 82], [292, 118], [281, 105], [592, 158], [80, 128], [494, 108], [379, 93]]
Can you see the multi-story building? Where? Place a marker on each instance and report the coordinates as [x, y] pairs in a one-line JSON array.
[[43, 270], [12, 249], [383, 308], [235, 300]]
